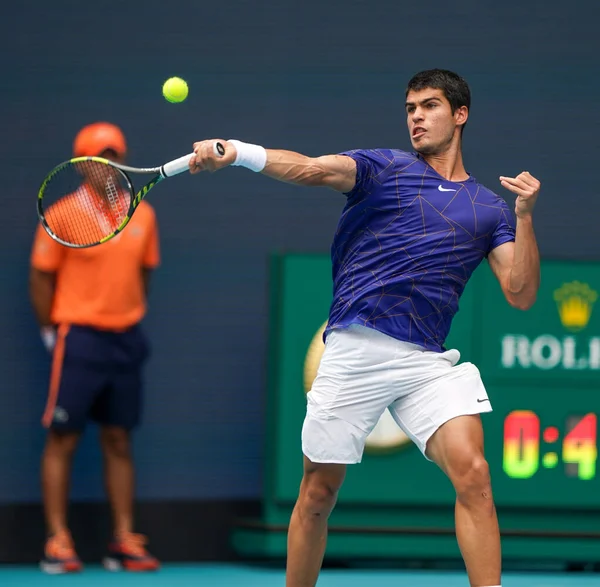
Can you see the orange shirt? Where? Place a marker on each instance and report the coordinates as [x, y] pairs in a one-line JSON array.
[[101, 286], [86, 216]]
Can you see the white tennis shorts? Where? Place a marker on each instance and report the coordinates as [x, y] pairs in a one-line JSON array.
[[363, 372]]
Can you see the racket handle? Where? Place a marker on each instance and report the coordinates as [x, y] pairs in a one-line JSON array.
[[176, 166], [182, 164]]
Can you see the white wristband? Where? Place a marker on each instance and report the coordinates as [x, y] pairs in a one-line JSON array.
[[48, 334], [253, 157]]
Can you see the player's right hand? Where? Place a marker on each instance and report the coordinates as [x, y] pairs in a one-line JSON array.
[[48, 334], [206, 159]]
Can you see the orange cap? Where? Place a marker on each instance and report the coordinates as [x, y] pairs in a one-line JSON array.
[[95, 138]]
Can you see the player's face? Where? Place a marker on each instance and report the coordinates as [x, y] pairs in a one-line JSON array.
[[430, 120]]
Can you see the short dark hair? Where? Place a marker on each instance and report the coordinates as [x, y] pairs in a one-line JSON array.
[[455, 88]]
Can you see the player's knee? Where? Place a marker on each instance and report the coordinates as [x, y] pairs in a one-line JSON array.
[[471, 480], [318, 500], [319, 494], [61, 444], [115, 442]]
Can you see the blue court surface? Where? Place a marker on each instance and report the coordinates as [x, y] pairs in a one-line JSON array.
[[238, 575]]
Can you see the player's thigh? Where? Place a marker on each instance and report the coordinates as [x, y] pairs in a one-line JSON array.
[[121, 403], [79, 387], [451, 391], [457, 446], [349, 394]]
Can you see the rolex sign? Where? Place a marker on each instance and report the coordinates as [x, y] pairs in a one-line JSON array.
[[574, 304], [558, 337]]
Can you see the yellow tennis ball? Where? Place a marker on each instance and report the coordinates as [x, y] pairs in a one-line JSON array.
[[175, 90]]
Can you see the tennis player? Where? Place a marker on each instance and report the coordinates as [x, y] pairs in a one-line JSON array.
[[415, 227], [89, 303]]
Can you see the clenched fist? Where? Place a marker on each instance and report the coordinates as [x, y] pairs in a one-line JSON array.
[[527, 189]]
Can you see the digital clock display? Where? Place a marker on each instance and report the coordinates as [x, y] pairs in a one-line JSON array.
[[524, 452]]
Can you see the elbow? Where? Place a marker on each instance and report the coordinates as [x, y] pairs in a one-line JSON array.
[[522, 302], [320, 172], [315, 174]]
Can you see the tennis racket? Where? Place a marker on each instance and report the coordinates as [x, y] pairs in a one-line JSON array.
[[86, 201]]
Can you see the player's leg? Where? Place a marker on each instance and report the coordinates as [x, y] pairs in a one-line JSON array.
[[457, 447], [118, 412], [57, 457], [307, 534], [73, 386], [119, 475], [441, 415], [60, 555], [347, 398]]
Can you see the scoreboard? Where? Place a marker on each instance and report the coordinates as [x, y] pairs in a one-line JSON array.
[[542, 372]]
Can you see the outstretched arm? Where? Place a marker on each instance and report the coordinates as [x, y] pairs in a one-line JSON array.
[[337, 172]]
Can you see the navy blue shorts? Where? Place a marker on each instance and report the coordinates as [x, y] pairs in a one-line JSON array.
[[96, 375]]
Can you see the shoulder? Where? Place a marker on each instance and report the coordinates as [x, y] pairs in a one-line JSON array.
[[485, 195], [381, 160], [387, 155], [490, 205]]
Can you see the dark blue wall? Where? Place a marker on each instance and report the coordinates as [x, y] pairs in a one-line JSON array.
[[314, 76]]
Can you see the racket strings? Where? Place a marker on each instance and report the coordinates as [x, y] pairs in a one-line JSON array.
[[86, 201]]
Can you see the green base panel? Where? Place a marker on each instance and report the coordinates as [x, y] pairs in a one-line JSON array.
[[265, 543]]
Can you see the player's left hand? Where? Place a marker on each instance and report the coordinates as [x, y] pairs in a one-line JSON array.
[[527, 189]]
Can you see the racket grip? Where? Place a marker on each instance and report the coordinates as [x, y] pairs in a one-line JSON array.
[[182, 164], [176, 166]]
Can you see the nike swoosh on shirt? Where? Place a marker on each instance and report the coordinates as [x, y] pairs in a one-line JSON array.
[[480, 401], [445, 189]]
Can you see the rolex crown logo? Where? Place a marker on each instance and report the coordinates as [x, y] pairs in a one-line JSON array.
[[575, 301]]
